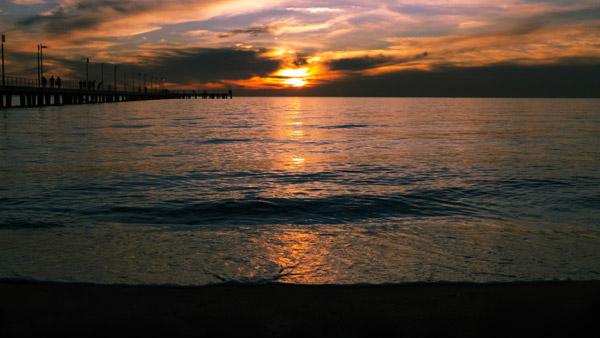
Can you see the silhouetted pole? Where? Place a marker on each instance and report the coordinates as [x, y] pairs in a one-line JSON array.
[[87, 73], [3, 71], [115, 78], [38, 66], [102, 73], [42, 60]]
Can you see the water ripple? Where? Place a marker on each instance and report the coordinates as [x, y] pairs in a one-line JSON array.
[[326, 210]]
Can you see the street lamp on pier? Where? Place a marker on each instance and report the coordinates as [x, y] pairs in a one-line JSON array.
[[3, 71], [115, 78], [41, 48], [87, 73]]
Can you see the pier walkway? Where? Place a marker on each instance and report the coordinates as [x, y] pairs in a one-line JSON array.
[[25, 94]]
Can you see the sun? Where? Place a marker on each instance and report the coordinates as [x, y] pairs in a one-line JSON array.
[[293, 72], [295, 82], [295, 77]]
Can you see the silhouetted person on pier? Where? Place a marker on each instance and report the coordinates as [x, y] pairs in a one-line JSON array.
[[100, 85], [58, 82], [44, 82], [52, 81], [80, 84], [92, 85]]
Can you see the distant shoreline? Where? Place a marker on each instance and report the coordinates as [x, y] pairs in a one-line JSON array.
[[534, 309]]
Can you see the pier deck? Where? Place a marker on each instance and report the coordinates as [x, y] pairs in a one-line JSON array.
[[25, 96]]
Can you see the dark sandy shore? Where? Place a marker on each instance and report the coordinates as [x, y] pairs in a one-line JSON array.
[[545, 309]]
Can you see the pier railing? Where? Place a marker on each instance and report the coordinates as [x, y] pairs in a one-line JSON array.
[[11, 81], [24, 92], [22, 82]]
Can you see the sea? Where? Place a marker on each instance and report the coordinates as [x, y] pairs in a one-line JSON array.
[[302, 191]]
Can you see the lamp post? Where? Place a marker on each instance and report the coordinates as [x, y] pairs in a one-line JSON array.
[[3, 72], [41, 48], [38, 66], [87, 73]]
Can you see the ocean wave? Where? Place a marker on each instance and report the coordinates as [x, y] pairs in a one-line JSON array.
[[345, 126], [131, 126], [325, 210], [224, 140], [27, 224]]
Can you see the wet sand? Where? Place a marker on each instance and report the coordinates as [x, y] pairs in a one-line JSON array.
[[544, 309]]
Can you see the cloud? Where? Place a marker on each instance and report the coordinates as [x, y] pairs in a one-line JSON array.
[[570, 78], [28, 2], [190, 68], [83, 15], [92, 18], [358, 63], [212, 65], [253, 31], [315, 10], [333, 39], [368, 62]]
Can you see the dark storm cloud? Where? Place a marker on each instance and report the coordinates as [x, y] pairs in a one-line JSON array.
[[85, 14], [523, 27], [188, 66], [215, 64], [367, 62], [358, 63], [60, 23], [571, 78]]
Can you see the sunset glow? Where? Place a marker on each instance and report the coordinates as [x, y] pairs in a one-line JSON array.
[[297, 73], [295, 82], [288, 44]]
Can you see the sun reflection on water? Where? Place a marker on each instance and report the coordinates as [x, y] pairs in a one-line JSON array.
[[302, 256]]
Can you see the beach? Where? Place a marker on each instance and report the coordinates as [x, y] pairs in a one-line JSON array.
[[537, 309]]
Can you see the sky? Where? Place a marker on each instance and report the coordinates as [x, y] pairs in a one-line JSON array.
[[309, 47]]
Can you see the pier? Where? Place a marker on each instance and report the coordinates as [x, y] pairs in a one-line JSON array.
[[24, 93]]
